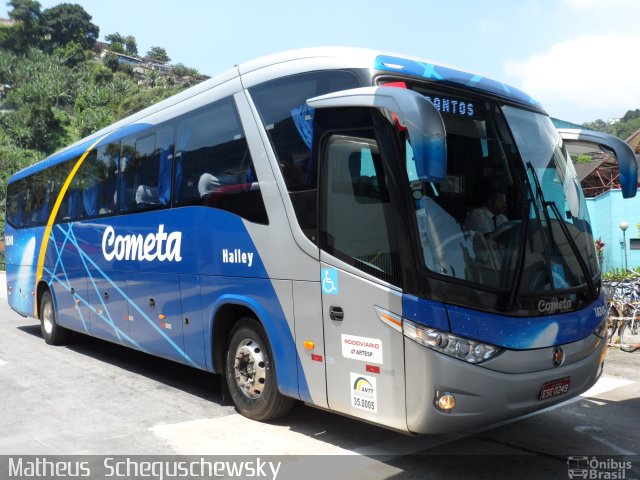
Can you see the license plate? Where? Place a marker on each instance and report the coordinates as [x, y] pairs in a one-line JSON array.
[[554, 388]]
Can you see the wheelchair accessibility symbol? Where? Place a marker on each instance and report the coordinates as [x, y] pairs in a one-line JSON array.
[[329, 281]]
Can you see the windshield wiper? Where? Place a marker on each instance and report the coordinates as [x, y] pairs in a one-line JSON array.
[[521, 257], [572, 243]]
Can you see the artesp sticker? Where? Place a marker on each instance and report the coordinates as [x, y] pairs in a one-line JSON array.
[[362, 348]]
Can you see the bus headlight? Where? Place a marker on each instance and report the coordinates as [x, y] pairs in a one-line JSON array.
[[470, 351]]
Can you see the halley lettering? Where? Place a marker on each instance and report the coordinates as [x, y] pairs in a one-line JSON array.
[[237, 256], [160, 245]]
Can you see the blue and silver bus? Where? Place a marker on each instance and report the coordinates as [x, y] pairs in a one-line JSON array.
[[368, 233]]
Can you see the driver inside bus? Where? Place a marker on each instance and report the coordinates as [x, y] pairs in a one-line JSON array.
[[490, 216]]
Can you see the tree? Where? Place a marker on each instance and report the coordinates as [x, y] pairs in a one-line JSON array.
[[158, 54], [181, 70], [115, 38], [117, 47], [67, 23], [122, 44], [630, 115], [110, 61], [131, 45], [72, 53], [625, 129], [599, 126], [27, 32]]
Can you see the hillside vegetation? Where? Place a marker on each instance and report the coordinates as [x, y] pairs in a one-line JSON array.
[[621, 128], [55, 88]]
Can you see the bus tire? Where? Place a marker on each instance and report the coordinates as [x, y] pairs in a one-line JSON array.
[[52, 333], [251, 375]]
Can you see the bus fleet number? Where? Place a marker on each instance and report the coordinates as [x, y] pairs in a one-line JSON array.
[[362, 403]]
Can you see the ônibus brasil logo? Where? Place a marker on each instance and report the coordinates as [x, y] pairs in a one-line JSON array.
[[160, 245]]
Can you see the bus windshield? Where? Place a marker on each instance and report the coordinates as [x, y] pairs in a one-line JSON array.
[[510, 215]]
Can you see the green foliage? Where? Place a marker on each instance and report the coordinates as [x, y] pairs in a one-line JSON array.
[[131, 45], [599, 126], [100, 74], [27, 32], [625, 129], [158, 54], [5, 35], [181, 70], [117, 47], [620, 274], [67, 23], [622, 128], [110, 61], [582, 158], [114, 38], [144, 98], [72, 53], [630, 115]]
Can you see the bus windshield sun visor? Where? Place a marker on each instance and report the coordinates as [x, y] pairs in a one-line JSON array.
[[423, 122], [625, 157]]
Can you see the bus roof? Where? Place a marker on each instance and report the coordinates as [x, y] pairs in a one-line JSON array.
[[309, 59]]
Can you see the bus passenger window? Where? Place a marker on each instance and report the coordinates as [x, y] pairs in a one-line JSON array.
[[107, 170], [214, 167], [97, 177], [146, 164], [69, 207]]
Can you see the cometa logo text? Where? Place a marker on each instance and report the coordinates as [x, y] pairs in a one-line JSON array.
[[160, 246]]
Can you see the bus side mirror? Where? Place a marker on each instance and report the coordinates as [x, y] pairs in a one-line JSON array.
[[586, 141], [422, 120]]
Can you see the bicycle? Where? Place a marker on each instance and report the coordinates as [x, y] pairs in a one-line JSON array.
[[623, 308], [630, 347]]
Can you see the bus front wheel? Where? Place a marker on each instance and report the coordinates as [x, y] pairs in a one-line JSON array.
[[52, 333], [251, 375]]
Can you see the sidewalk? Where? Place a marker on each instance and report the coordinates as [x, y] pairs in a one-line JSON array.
[[3, 285]]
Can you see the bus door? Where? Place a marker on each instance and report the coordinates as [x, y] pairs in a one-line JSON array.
[[359, 274], [356, 141]]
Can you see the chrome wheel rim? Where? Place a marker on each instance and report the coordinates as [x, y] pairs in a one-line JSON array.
[[249, 368], [47, 318]]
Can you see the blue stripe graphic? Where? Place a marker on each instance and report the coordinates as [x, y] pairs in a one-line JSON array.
[[88, 262]]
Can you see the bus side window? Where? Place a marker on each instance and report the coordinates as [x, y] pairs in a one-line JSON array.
[[107, 176], [356, 217], [287, 120], [214, 167], [68, 210], [15, 204]]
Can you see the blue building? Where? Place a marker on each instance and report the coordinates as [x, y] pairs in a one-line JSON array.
[[607, 211]]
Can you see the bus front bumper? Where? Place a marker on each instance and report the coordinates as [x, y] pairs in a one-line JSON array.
[[483, 396]]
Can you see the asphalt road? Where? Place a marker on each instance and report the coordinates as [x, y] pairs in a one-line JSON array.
[[92, 397]]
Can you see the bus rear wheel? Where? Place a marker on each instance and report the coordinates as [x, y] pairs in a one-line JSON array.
[[251, 375], [52, 333]]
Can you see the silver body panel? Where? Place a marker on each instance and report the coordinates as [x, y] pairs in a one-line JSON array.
[[524, 361], [358, 296], [483, 396]]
